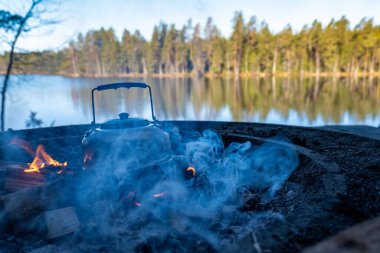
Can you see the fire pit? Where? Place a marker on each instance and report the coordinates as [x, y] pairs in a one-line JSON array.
[[238, 187]]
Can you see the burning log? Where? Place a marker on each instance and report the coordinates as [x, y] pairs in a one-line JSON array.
[[43, 160], [18, 176], [13, 178], [16, 181], [362, 238]]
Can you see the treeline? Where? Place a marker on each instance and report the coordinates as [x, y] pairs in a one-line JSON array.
[[252, 48]]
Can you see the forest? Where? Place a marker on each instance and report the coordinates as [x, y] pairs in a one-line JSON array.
[[337, 49]]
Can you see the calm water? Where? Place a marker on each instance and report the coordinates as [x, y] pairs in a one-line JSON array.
[[62, 100]]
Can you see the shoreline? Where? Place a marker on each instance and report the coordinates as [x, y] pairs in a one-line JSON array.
[[210, 75]]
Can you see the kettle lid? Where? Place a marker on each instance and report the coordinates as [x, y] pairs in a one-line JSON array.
[[124, 121]]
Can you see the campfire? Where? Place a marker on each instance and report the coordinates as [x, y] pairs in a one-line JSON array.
[[230, 192], [41, 169], [148, 183], [199, 182], [44, 161], [140, 186]]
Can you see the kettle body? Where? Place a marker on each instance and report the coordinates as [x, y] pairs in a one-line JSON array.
[[125, 142]]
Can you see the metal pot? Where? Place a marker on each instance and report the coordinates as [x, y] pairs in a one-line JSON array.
[[126, 141]]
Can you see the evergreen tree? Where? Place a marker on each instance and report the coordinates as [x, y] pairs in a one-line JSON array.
[[236, 43], [251, 48], [197, 54]]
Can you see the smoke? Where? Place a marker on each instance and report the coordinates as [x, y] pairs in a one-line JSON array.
[[159, 204]]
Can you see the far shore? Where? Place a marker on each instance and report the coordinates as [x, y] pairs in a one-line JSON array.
[[212, 75]]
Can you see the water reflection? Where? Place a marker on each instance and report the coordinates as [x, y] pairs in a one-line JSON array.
[[273, 100]]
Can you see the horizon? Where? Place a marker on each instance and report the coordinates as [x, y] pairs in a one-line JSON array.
[[277, 15]]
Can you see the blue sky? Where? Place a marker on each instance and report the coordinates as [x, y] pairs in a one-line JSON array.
[[83, 15]]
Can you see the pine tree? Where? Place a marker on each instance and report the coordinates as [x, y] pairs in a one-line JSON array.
[[251, 48], [236, 42], [197, 54], [315, 45]]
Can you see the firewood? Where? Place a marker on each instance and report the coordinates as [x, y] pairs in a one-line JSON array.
[[23, 211], [49, 224], [60, 222], [13, 178], [29, 210], [17, 180], [362, 238], [29, 203], [12, 165]]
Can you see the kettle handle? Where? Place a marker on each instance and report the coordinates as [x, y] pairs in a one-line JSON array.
[[121, 85], [127, 85]]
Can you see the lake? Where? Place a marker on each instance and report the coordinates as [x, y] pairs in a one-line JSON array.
[[59, 100]]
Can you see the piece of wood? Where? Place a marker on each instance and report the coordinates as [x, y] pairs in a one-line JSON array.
[[29, 203], [60, 222], [12, 165], [362, 238], [22, 207], [17, 180], [13, 178], [49, 224], [23, 210]]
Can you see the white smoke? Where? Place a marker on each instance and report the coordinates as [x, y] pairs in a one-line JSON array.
[[159, 202]]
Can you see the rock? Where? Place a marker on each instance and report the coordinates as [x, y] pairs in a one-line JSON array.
[[362, 238]]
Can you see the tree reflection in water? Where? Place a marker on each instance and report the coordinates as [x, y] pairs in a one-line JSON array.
[[327, 100], [295, 101]]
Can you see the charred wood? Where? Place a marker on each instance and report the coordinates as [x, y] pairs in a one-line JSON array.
[[13, 178]]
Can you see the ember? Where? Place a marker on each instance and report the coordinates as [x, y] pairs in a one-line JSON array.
[[159, 195], [192, 170], [87, 158]]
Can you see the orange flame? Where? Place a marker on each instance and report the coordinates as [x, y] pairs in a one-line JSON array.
[[159, 195], [25, 145], [192, 170], [42, 160], [87, 157]]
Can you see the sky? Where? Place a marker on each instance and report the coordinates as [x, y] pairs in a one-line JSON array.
[[82, 15]]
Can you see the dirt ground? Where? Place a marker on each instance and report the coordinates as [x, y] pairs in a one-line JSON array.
[[339, 173]]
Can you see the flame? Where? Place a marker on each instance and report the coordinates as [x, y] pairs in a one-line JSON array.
[[42, 160], [87, 157], [159, 195], [25, 145], [192, 169]]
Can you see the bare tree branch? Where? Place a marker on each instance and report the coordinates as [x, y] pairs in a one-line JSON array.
[[19, 24]]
